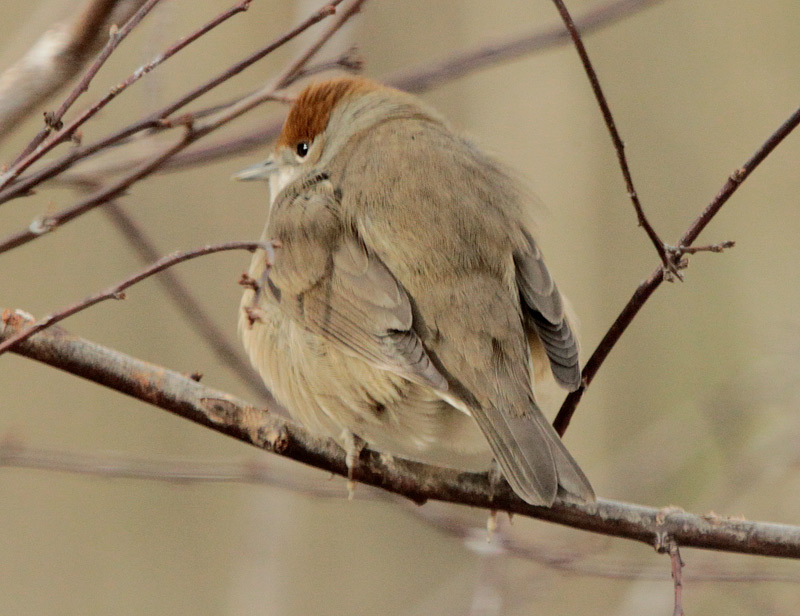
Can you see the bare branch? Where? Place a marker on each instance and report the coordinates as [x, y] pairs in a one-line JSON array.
[[39, 149], [648, 287], [158, 119], [435, 73], [418, 482], [446, 520], [46, 224], [194, 130], [693, 250], [428, 75], [115, 37], [117, 291], [15, 454], [668, 545], [57, 57], [670, 268], [185, 301]]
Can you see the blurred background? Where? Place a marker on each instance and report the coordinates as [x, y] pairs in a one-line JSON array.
[[696, 407]]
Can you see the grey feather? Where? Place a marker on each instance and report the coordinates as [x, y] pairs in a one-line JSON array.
[[544, 313]]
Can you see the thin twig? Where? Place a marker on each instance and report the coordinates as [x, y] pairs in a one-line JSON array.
[[418, 482], [295, 68], [195, 130], [116, 36], [68, 131], [429, 75], [434, 73], [23, 186], [57, 57], [346, 62], [693, 250], [646, 289], [185, 301], [117, 291], [46, 224], [670, 268], [677, 577], [667, 544]]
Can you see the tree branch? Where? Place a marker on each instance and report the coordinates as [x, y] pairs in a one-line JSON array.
[[115, 37], [40, 149], [418, 482], [194, 130], [115, 465], [436, 72], [117, 291], [58, 55], [648, 287], [158, 120], [186, 302], [670, 265]]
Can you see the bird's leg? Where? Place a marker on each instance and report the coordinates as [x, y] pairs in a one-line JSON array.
[[496, 477], [353, 446]]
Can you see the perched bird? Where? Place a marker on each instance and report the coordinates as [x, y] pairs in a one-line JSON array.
[[407, 304]]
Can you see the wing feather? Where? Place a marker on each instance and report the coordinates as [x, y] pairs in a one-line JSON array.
[[544, 314], [329, 282]]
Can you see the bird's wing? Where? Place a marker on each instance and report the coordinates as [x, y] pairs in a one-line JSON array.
[[469, 318], [327, 281], [544, 314]]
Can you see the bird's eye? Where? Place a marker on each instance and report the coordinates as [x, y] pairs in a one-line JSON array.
[[302, 149]]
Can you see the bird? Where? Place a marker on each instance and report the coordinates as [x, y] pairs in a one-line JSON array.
[[407, 305]]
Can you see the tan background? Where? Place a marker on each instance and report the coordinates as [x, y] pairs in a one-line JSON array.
[[696, 407]]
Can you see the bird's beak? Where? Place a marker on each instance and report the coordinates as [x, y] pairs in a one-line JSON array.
[[259, 171]]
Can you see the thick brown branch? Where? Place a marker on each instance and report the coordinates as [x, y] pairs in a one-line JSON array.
[[16, 454], [418, 482]]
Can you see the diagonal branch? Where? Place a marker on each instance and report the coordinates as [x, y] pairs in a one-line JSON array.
[[66, 132], [186, 302], [116, 36], [670, 265], [57, 57], [158, 120], [195, 130], [432, 74], [117, 291], [648, 287], [418, 482]]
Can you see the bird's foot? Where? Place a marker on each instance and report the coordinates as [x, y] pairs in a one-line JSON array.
[[353, 446]]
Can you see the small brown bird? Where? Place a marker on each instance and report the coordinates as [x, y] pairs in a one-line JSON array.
[[408, 304]]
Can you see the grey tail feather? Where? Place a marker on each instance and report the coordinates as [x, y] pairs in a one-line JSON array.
[[570, 476], [534, 460]]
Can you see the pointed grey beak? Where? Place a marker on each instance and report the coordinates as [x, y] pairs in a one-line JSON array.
[[259, 171]]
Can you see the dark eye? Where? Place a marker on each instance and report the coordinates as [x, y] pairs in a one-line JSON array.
[[302, 149]]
